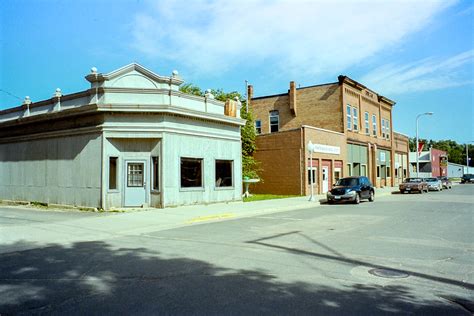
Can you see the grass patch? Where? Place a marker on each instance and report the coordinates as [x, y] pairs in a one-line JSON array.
[[261, 197]]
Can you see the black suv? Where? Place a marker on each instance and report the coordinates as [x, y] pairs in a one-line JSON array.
[[352, 189], [467, 178]]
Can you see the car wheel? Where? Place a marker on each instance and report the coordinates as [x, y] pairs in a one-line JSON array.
[[357, 199], [330, 202], [402, 191], [371, 196]]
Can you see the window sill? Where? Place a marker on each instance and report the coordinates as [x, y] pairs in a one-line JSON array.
[[155, 191], [197, 189], [224, 188], [113, 191]]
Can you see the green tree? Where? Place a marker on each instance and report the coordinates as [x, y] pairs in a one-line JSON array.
[[189, 88]]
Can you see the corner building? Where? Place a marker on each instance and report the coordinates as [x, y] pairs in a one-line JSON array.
[[350, 126], [131, 140]]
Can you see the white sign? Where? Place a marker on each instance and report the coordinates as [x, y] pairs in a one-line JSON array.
[[382, 156], [319, 148]]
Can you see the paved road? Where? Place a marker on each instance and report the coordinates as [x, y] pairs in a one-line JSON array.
[[312, 261]]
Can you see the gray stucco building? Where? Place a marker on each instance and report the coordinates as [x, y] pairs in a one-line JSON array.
[[132, 139]]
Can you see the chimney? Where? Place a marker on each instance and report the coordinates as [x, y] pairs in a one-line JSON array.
[[292, 97]]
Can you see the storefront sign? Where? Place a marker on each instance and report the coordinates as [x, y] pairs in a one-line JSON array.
[[319, 148]]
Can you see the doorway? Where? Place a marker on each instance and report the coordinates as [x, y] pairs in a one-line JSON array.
[[135, 183], [325, 179]]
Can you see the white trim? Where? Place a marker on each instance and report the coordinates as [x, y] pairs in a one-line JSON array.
[[322, 130]]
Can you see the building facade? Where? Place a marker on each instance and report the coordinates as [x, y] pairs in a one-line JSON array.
[[433, 163], [131, 140], [361, 118]]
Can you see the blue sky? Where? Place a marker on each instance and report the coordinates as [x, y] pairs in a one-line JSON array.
[[417, 53]]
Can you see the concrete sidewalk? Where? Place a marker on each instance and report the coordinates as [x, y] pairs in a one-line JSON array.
[[142, 221]]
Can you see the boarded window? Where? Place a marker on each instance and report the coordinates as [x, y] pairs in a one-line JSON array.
[[191, 172], [112, 173]]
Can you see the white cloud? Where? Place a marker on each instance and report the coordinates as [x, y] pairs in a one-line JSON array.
[[298, 37], [424, 75]]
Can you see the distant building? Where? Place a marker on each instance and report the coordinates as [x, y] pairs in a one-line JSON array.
[[350, 125], [456, 170], [132, 139], [433, 163]]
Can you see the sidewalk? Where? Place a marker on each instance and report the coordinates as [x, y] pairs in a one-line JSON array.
[[143, 221]]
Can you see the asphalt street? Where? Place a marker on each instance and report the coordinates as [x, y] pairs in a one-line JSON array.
[[402, 254]]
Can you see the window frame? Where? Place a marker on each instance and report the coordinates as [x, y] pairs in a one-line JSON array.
[[117, 172], [314, 174], [232, 186], [367, 126], [374, 125], [272, 114], [349, 117], [383, 128], [155, 183], [258, 127], [200, 188], [387, 129], [355, 119]]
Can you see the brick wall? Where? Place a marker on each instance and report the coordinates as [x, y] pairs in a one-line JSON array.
[[316, 106], [279, 155]]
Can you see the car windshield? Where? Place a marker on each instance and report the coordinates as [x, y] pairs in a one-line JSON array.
[[347, 182], [413, 180], [431, 179]]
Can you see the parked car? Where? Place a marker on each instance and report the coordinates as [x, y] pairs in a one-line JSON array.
[[467, 178], [445, 182], [434, 184], [352, 189], [413, 184]]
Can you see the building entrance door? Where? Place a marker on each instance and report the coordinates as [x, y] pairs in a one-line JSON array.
[[135, 183], [325, 179]]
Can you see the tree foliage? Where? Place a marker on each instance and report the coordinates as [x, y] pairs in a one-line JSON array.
[[456, 152], [250, 167]]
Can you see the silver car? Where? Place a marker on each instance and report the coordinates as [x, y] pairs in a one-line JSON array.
[[434, 184]]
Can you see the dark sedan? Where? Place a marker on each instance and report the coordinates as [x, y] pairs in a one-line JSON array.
[[351, 189]]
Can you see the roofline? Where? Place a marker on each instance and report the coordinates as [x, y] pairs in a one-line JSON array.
[[300, 88], [345, 79]]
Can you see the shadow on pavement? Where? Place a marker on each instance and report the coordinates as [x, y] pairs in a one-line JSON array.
[[90, 278]]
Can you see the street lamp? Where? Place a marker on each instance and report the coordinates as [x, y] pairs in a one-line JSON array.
[[311, 150], [467, 156], [417, 162]]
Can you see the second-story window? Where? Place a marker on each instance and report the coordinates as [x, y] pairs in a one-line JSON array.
[[383, 128], [374, 125], [274, 121], [349, 117], [258, 126], [355, 113], [366, 117], [387, 129]]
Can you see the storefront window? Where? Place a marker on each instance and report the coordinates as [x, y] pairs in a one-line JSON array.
[[224, 173], [155, 173], [191, 172], [113, 173]]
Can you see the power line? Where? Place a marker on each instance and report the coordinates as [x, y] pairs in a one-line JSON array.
[[11, 94]]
